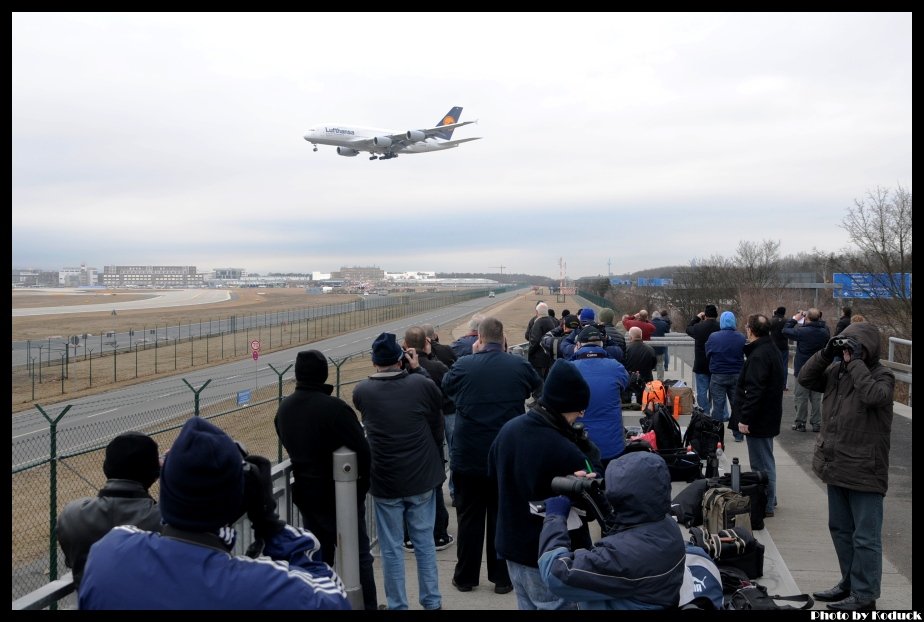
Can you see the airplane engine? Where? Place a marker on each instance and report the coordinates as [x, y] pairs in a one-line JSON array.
[[416, 135], [346, 151], [381, 141]]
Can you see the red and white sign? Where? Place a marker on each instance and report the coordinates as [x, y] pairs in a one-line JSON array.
[[255, 345], [256, 354]]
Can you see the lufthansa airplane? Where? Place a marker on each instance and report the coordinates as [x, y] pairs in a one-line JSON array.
[[386, 144]]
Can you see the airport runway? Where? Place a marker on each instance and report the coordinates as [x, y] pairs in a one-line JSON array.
[[158, 299]]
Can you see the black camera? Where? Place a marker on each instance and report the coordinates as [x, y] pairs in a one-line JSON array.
[[573, 486], [849, 344], [587, 494]]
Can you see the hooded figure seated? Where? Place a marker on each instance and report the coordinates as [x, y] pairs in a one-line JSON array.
[[639, 564]]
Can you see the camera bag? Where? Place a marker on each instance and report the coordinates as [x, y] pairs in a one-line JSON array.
[[753, 485], [687, 505], [737, 548], [684, 464], [723, 508]]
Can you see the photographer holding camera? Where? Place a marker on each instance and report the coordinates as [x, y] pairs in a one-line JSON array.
[[205, 486], [529, 451], [811, 334], [640, 563], [852, 458]]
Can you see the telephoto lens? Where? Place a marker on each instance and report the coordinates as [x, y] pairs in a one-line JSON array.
[[572, 485]]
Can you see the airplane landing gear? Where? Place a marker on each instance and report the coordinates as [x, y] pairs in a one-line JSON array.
[[373, 157], [388, 156], [315, 148]]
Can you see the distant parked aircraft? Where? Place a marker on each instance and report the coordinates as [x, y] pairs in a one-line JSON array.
[[385, 144]]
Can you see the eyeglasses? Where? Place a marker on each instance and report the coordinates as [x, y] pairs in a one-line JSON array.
[[582, 412]]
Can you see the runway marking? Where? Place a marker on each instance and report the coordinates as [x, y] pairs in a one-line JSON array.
[[102, 413]]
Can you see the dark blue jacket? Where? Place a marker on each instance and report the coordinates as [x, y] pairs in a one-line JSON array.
[[662, 327], [725, 351], [489, 388], [641, 564], [135, 569], [810, 338], [528, 452]]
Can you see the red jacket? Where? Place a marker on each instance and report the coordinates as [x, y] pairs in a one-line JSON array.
[[647, 327]]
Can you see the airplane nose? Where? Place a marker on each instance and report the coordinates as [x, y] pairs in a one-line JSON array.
[[307, 136]]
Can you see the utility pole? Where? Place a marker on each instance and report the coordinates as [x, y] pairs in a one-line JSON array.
[[501, 268]]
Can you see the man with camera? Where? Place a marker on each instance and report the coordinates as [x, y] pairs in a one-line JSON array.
[[852, 457], [811, 334], [402, 413], [207, 484], [528, 453], [638, 565]]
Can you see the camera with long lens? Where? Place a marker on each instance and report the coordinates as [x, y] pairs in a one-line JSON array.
[[587, 494]]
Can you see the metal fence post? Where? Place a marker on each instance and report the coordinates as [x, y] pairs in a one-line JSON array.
[[278, 402], [337, 367], [53, 490], [347, 558], [196, 392]]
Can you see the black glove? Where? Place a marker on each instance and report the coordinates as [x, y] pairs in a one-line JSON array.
[[831, 350], [258, 497]]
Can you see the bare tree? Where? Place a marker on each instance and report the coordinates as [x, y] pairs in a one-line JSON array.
[[879, 227]]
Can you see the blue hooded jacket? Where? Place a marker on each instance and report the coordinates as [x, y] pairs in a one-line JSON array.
[[725, 347]]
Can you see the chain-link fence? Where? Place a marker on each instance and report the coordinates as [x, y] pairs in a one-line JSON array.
[[61, 464], [56, 368]]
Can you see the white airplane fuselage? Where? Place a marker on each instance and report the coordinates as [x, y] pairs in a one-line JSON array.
[[350, 135]]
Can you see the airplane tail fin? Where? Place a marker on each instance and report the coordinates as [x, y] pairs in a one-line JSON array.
[[448, 119]]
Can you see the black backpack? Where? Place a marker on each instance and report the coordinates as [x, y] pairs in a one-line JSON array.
[[703, 433], [666, 428]]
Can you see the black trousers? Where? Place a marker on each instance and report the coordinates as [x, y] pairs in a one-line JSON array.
[[476, 513], [321, 519]]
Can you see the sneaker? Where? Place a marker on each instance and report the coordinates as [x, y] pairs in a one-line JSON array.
[[444, 543], [408, 546], [798, 427], [503, 589]]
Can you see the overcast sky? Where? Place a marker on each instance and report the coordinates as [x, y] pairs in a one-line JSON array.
[[614, 142]]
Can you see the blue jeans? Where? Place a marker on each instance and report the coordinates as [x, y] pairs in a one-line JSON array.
[[722, 392], [532, 592], [702, 391], [760, 455], [855, 523], [449, 424], [802, 397], [419, 511]]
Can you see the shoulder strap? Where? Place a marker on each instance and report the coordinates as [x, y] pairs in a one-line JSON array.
[[807, 601]]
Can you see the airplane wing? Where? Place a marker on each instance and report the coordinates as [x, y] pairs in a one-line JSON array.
[[413, 136], [460, 141]]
